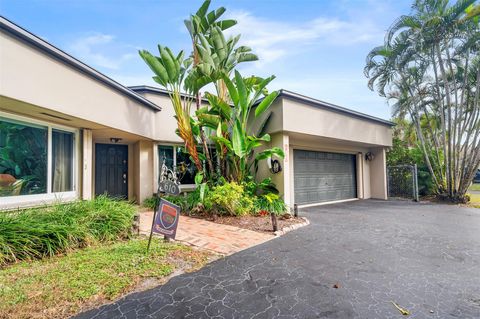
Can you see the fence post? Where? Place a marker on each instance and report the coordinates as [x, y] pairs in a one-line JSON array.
[[388, 182], [416, 181]]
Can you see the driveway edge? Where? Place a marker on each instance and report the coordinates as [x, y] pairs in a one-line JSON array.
[[287, 229]]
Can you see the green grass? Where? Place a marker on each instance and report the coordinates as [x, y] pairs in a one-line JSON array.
[[47, 231], [60, 286], [474, 200], [475, 187]]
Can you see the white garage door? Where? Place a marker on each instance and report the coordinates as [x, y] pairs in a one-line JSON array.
[[322, 177]]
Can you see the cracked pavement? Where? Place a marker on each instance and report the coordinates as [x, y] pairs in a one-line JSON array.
[[424, 257]]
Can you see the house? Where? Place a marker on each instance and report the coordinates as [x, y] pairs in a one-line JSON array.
[[68, 131]]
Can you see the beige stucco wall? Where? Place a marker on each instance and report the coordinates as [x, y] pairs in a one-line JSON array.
[[36, 78], [165, 123], [378, 174], [306, 119], [143, 170]]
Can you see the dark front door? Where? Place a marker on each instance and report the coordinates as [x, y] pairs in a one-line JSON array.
[[111, 170]]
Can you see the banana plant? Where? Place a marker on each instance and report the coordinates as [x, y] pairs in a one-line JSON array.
[[231, 123], [170, 71], [199, 24]]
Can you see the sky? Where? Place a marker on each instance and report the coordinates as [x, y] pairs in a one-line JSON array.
[[313, 47]]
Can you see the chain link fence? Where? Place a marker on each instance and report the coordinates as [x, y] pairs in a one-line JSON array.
[[402, 181]]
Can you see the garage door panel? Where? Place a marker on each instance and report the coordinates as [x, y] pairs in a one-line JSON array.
[[322, 176]]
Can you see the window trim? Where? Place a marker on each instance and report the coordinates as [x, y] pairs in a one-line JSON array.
[[34, 199]]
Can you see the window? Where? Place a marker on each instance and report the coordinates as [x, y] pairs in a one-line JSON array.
[[62, 161], [179, 162], [35, 158], [23, 158]]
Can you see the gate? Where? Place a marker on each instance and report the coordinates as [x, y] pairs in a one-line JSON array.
[[402, 181]]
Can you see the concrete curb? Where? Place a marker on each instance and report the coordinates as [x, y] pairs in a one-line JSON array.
[[285, 230]]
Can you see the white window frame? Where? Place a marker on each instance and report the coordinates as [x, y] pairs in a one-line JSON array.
[[48, 197], [183, 187]]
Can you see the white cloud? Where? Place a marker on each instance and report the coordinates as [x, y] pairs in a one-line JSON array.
[[273, 40], [101, 50]]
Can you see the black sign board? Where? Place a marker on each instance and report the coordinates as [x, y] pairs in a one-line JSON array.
[[169, 187], [166, 219]]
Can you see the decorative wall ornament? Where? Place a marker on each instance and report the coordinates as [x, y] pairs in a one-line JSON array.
[[275, 166]]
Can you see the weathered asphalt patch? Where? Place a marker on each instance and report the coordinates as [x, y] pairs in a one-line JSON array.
[[424, 257]]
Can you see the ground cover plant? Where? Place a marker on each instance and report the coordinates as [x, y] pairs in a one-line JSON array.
[[63, 285], [60, 228]]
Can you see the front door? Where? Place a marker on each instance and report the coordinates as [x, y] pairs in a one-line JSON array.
[[111, 170]]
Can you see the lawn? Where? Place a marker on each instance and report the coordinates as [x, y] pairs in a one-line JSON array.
[[475, 187], [63, 285]]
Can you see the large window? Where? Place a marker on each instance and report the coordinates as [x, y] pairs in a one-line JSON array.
[[178, 161], [35, 158]]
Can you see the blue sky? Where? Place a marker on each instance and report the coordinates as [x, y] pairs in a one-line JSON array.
[[314, 47]]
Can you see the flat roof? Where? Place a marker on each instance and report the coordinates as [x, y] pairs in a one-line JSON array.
[[54, 52], [330, 106], [155, 90]]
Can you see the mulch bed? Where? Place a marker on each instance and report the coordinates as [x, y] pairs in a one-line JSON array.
[[262, 224]]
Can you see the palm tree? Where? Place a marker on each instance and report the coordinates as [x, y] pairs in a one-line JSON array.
[[425, 66]]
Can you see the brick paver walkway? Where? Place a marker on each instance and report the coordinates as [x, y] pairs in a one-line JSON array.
[[223, 239]]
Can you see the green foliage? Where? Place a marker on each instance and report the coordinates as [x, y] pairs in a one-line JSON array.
[[271, 203], [42, 232], [402, 154], [256, 189], [229, 199], [212, 61], [428, 68], [150, 202]]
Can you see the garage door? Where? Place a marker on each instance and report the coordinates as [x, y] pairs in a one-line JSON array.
[[322, 177]]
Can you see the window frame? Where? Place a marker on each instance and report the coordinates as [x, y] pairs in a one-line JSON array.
[[183, 187], [11, 201]]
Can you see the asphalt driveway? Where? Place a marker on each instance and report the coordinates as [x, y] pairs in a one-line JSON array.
[[424, 257]]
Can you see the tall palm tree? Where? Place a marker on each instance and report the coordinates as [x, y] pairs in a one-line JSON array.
[[426, 59]]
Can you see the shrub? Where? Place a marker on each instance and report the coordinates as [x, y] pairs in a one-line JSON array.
[[271, 203], [186, 202], [46, 231], [150, 202], [229, 199]]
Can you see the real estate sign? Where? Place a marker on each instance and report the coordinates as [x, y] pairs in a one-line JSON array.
[[166, 219]]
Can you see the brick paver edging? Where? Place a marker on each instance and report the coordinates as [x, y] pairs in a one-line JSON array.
[[287, 229]]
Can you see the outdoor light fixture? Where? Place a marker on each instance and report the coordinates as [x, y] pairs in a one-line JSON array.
[[369, 156], [115, 139]]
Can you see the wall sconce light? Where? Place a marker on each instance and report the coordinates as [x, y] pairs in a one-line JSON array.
[[369, 156], [115, 139]]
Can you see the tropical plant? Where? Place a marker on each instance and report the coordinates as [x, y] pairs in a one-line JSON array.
[[271, 203], [232, 122], [229, 199], [213, 59], [429, 66]]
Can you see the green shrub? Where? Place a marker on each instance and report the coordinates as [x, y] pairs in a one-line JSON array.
[[150, 202], [46, 231], [270, 203], [229, 199]]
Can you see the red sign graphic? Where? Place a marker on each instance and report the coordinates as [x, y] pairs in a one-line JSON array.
[[166, 219]]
